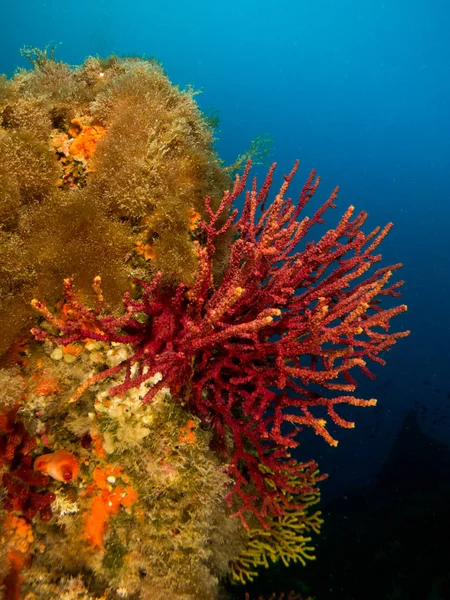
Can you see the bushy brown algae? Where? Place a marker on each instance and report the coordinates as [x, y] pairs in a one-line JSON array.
[[130, 201]]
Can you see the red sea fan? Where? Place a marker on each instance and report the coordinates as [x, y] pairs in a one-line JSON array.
[[259, 353]]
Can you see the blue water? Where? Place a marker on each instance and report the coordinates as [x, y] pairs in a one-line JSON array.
[[357, 90]]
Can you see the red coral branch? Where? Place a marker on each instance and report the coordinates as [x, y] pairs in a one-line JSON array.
[[259, 354]]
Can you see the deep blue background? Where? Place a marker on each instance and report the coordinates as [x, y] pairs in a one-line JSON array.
[[358, 90]]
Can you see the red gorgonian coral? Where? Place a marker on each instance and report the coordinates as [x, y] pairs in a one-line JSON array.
[[259, 353]]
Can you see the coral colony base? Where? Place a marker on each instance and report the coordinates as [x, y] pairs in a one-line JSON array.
[[178, 349]]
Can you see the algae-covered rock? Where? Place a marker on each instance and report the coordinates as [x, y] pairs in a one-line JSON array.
[[104, 169]]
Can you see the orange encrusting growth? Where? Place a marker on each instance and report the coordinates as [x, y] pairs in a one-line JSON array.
[[97, 444], [19, 537], [187, 434], [106, 504], [101, 474], [45, 386], [194, 218], [145, 249], [85, 139]]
